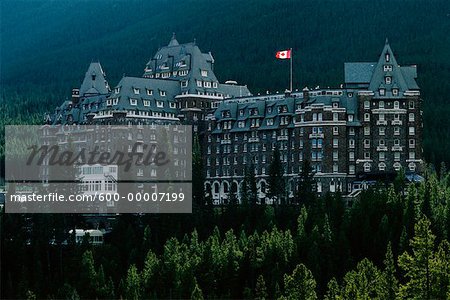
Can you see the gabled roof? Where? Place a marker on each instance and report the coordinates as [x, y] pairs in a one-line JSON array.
[[94, 81], [403, 78]]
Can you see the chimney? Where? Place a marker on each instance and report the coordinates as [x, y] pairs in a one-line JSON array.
[[75, 96], [287, 93], [305, 94]]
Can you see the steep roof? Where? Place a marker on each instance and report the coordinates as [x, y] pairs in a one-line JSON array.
[[94, 81]]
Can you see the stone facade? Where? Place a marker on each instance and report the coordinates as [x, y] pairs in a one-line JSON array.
[[368, 129]]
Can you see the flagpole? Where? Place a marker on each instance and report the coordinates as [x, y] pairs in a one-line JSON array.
[[291, 71]]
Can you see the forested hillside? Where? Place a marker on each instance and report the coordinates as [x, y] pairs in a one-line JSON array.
[[46, 46]]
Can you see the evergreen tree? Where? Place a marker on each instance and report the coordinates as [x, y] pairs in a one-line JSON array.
[[276, 184], [417, 266], [301, 284], [133, 284], [333, 292], [390, 281], [306, 185], [197, 293], [260, 289]]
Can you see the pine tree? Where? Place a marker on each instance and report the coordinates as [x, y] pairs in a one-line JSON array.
[[390, 281], [276, 184], [133, 284], [300, 285], [197, 293], [306, 185], [417, 266], [260, 289], [333, 292]]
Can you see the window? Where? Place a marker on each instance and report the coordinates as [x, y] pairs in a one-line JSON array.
[[335, 143], [204, 73], [395, 92], [396, 130], [351, 169], [162, 93], [133, 101], [199, 83], [136, 91], [412, 131], [411, 104], [412, 143], [412, 155], [412, 166], [382, 92], [184, 83], [350, 118], [366, 130], [411, 117], [381, 142], [396, 142], [366, 155], [351, 143], [335, 117], [335, 130], [396, 156], [382, 166], [215, 85], [351, 156], [366, 143], [366, 167], [381, 156], [149, 92], [351, 131], [207, 84], [146, 103], [388, 79], [159, 104], [366, 104], [396, 105], [335, 155], [335, 168], [397, 166], [387, 68], [381, 131], [319, 117], [381, 104], [387, 57], [367, 117]]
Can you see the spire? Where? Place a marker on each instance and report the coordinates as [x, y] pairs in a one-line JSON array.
[[173, 40], [386, 42]]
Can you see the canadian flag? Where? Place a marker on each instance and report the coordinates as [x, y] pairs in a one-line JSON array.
[[286, 54]]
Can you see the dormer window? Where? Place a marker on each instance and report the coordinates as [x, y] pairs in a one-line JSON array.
[[133, 101], [388, 79], [387, 68], [387, 57], [207, 84], [241, 112], [183, 72], [159, 104], [93, 76], [215, 85], [146, 103], [395, 92], [184, 83], [117, 90], [159, 56], [199, 83], [350, 118], [162, 93], [136, 91], [173, 105], [382, 92], [204, 73], [149, 92]]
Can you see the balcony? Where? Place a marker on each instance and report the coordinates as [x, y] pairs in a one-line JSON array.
[[282, 138], [381, 122], [382, 148], [396, 122], [225, 142], [253, 139]]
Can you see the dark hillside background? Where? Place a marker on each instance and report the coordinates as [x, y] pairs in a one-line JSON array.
[[46, 46]]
